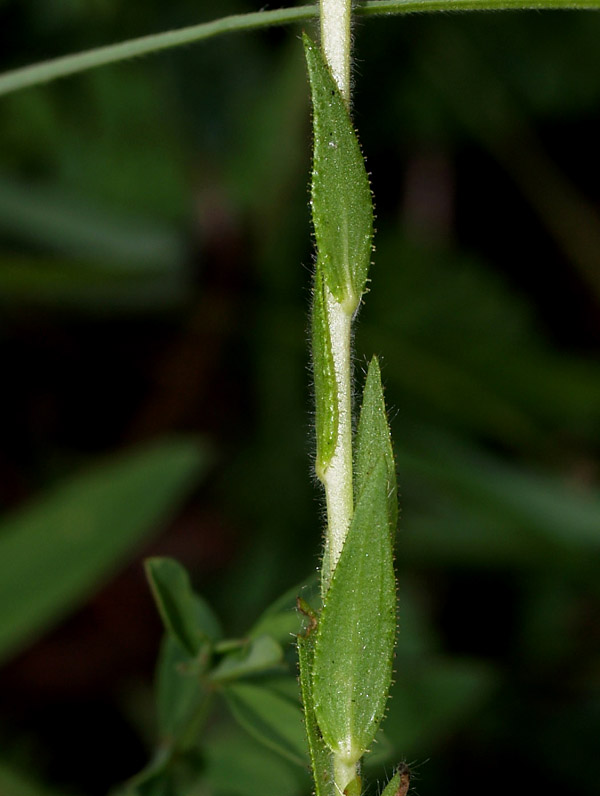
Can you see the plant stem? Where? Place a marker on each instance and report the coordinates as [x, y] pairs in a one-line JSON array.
[[337, 479], [335, 42], [372, 7], [46, 71]]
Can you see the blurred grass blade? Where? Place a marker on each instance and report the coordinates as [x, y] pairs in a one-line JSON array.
[[185, 616], [539, 503], [72, 225], [55, 552], [271, 717], [357, 628], [88, 286]]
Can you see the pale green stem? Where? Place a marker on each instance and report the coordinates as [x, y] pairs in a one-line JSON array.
[[337, 478], [335, 42], [343, 773], [64, 66]]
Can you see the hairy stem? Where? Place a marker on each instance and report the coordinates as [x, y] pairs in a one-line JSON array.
[[335, 41], [337, 479]]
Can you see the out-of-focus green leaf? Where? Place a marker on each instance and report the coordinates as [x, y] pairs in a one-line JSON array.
[[537, 503], [66, 224], [261, 653], [88, 286], [342, 208], [272, 717], [238, 765], [485, 370], [185, 616], [355, 637], [180, 696], [13, 783], [54, 552], [282, 620], [434, 698]]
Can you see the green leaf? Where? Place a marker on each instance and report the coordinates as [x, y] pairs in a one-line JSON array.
[[320, 756], [356, 632], [326, 396], [56, 551], [86, 286], [238, 765], [14, 783], [185, 615], [91, 235], [180, 696], [272, 717], [435, 698], [373, 441], [260, 654], [342, 207]]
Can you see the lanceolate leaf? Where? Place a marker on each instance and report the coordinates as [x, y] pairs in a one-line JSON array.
[[185, 615], [320, 756], [356, 632], [326, 401], [373, 441], [342, 208]]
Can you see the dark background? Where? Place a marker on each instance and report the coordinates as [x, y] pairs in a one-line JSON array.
[[155, 258]]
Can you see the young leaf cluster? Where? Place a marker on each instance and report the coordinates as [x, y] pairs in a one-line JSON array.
[[197, 665]]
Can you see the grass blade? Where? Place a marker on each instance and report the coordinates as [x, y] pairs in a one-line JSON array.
[[55, 552]]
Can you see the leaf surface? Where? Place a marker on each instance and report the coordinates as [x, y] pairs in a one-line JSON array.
[[181, 697], [270, 716], [261, 653], [326, 395], [373, 440], [185, 615], [320, 756], [342, 207], [356, 632]]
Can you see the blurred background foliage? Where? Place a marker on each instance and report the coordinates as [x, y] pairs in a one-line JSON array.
[[155, 261]]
